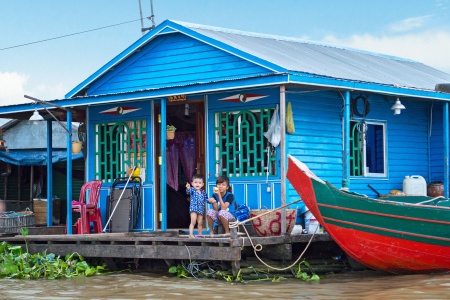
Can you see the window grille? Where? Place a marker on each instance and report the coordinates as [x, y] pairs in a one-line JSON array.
[[241, 150], [118, 147]]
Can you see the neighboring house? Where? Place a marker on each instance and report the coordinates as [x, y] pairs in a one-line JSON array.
[[220, 88], [24, 159]]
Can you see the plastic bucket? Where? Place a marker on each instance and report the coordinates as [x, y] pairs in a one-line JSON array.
[[313, 226], [76, 147]]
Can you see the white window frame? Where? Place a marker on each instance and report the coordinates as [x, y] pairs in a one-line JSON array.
[[365, 172]]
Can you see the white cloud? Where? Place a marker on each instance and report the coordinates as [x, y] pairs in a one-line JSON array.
[[409, 23], [12, 88], [442, 4], [48, 92], [431, 47]]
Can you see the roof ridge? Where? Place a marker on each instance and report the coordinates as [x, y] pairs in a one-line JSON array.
[[287, 39]]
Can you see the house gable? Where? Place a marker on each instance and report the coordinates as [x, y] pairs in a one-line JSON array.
[[173, 59]]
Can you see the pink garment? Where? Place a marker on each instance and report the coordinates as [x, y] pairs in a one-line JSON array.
[[215, 215], [180, 150]]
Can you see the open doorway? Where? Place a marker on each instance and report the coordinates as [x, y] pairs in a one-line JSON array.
[[185, 156]]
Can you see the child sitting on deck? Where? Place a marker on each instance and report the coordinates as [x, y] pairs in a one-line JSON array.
[[221, 201]]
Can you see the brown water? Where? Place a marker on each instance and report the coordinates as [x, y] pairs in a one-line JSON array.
[[352, 285]]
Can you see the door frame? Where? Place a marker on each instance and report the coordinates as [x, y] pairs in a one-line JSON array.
[[200, 118]]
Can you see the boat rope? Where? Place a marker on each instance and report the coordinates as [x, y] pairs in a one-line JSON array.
[[236, 224], [431, 200], [259, 247]]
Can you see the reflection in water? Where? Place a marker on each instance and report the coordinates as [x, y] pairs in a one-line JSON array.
[[352, 285]]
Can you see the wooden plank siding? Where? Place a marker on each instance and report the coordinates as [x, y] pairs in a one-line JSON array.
[[170, 60], [317, 140], [436, 143], [407, 146]]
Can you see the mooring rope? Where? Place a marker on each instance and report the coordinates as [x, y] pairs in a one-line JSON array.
[[259, 247], [431, 200], [236, 224]]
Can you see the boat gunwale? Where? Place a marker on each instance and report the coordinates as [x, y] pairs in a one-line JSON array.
[[398, 203]]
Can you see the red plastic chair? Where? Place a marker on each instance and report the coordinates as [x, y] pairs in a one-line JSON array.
[[89, 211]]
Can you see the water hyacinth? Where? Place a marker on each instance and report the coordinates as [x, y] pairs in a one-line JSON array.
[[17, 264]]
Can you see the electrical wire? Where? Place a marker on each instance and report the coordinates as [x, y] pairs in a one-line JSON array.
[[194, 268], [71, 34]]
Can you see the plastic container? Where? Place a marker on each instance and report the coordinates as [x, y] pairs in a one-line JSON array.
[[308, 215], [297, 229], [415, 185], [313, 226]]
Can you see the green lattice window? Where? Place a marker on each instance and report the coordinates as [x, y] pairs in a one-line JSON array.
[[241, 150], [118, 147]]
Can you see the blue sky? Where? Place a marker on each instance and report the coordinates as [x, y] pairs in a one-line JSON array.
[[415, 29]]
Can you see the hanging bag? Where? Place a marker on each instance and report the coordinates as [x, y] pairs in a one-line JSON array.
[[273, 134]]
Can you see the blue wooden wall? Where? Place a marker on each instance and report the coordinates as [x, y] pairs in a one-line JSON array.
[[173, 59], [436, 142], [318, 140]]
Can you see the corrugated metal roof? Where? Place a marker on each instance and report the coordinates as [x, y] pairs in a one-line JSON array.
[[4, 121], [322, 59]]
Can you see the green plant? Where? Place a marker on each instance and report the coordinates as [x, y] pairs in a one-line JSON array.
[[299, 274], [14, 263], [170, 128], [179, 270]]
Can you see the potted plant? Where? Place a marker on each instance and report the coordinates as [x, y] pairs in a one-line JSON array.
[[170, 132]]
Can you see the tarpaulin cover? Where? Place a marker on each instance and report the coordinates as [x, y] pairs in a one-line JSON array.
[[35, 157]]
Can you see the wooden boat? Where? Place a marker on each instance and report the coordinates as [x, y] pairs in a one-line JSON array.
[[399, 234]]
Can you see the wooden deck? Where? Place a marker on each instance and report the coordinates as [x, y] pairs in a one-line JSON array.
[[167, 245]]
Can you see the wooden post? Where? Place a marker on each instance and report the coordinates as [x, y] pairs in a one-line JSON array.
[[235, 264], [446, 150], [346, 142], [50, 173], [283, 155], [69, 178], [163, 179]]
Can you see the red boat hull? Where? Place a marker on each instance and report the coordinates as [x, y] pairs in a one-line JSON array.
[[392, 255], [376, 246]]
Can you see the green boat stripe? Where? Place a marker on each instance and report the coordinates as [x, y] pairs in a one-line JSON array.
[[384, 215], [335, 221]]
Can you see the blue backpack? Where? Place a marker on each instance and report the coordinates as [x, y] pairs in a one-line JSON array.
[[240, 212]]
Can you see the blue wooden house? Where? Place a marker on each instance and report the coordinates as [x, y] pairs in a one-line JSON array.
[[220, 89]]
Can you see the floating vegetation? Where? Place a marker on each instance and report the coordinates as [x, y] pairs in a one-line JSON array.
[[14, 263], [249, 274], [301, 274]]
